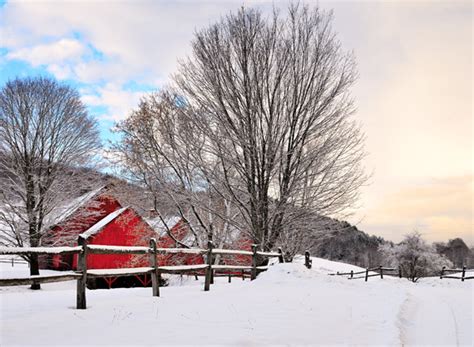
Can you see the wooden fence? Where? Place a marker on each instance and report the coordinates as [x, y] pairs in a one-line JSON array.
[[462, 271], [82, 273], [380, 269], [14, 261]]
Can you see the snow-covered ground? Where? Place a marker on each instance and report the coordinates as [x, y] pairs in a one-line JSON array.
[[288, 304]]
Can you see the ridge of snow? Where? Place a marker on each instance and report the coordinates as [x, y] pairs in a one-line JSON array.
[[181, 250], [183, 267], [119, 248], [230, 251], [120, 271], [44, 250]]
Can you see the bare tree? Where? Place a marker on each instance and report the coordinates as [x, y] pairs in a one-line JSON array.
[[268, 101], [156, 154], [45, 134], [258, 120]]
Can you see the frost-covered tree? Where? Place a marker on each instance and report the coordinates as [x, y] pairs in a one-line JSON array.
[[156, 152], [46, 133], [415, 257], [267, 107]]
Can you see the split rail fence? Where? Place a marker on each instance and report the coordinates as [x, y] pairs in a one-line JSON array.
[[82, 273], [353, 275], [462, 271], [14, 261]]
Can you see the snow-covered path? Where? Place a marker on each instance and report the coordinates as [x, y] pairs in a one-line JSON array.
[[286, 305], [436, 316]]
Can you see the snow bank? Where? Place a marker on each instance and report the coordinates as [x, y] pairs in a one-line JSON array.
[[288, 304]]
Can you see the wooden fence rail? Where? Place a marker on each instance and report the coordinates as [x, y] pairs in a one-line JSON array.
[[381, 271], [39, 250], [462, 271], [14, 261], [82, 273]]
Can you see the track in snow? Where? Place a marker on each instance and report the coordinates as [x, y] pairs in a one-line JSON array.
[[435, 317]]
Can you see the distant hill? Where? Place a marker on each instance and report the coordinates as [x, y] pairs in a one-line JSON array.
[[341, 241]]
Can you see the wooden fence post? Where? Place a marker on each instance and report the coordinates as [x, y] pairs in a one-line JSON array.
[[381, 272], [82, 268], [463, 273], [352, 273], [280, 257], [366, 274], [442, 273], [230, 278], [307, 260], [207, 281], [212, 273], [399, 271], [253, 274], [155, 275]]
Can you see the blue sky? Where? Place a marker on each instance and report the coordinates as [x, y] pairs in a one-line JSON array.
[[13, 68], [414, 94]]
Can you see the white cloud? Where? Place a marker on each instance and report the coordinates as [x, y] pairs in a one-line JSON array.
[[119, 102], [50, 53], [60, 71], [97, 71], [143, 38]]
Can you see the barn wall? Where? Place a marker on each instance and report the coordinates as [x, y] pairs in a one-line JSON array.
[[128, 229]]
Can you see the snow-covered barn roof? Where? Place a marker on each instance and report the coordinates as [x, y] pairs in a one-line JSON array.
[[57, 216], [97, 227], [67, 210], [160, 228]]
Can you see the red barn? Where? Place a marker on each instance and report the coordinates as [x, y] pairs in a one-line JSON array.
[[123, 227], [74, 219], [99, 217], [102, 220]]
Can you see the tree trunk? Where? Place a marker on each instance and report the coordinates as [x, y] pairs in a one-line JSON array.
[[34, 264], [34, 270]]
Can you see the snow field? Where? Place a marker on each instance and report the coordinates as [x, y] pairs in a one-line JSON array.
[[288, 304]]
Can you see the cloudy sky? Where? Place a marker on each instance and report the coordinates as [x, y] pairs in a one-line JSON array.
[[414, 94]]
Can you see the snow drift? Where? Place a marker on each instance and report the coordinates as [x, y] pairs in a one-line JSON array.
[[288, 304]]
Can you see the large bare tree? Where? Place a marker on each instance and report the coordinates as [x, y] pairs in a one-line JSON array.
[[45, 135], [271, 96], [260, 115]]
